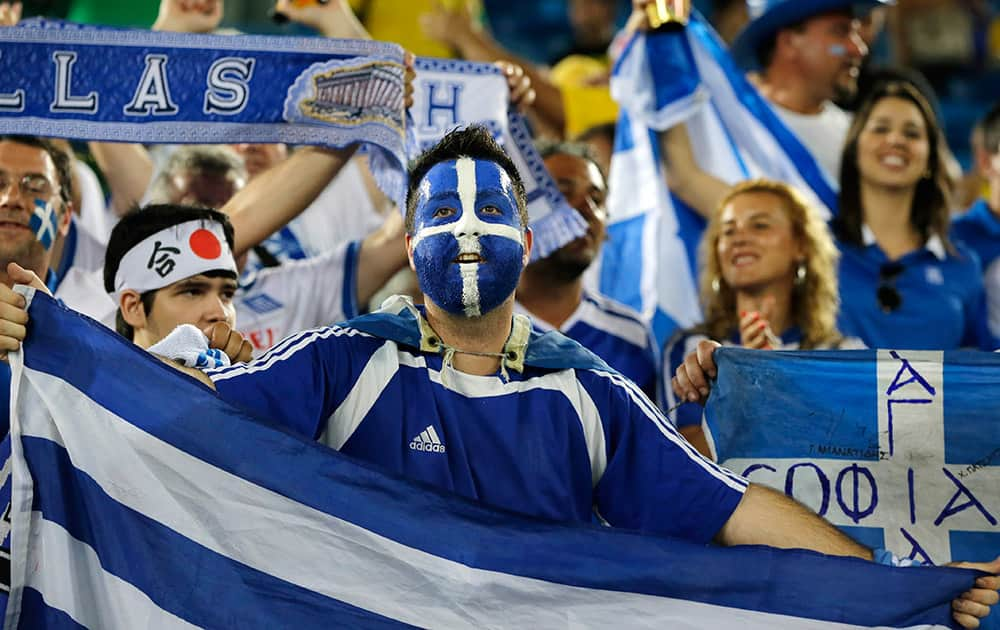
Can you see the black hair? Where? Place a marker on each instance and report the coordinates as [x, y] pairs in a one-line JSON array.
[[61, 159], [931, 206], [548, 148], [141, 223], [473, 142]]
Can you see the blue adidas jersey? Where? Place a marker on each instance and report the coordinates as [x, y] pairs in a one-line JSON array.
[[979, 230], [615, 333], [561, 438], [5, 488]]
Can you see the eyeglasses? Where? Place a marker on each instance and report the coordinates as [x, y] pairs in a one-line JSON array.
[[888, 296], [31, 183]]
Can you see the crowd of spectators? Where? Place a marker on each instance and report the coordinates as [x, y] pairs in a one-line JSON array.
[[907, 262]]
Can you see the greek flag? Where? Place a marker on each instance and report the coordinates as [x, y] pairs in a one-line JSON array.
[[898, 448], [449, 93], [661, 80], [94, 83], [148, 502]]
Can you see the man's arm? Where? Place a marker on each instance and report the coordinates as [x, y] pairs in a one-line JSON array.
[[128, 170], [382, 254], [768, 517], [281, 193], [695, 186]]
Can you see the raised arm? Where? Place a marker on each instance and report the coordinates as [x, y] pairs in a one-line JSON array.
[[281, 193], [127, 168]]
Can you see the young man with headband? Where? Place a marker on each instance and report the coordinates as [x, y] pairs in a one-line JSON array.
[[172, 274], [463, 395]]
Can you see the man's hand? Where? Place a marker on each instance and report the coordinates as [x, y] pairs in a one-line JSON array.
[[448, 25], [10, 13], [522, 95], [230, 341], [691, 381], [333, 19], [974, 604], [189, 16], [13, 308]]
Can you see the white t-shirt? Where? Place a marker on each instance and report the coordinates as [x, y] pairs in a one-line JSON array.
[[823, 134], [300, 294]]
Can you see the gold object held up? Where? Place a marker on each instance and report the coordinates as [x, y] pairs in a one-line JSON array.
[[668, 12]]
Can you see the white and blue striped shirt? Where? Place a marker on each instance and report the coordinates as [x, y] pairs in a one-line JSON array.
[[560, 436]]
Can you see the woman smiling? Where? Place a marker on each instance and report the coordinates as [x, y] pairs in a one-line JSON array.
[[768, 282], [903, 284]]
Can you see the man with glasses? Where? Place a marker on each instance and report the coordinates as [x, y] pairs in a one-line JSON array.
[[552, 290]]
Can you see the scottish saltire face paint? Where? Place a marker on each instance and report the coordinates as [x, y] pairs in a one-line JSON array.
[[468, 245], [43, 223]]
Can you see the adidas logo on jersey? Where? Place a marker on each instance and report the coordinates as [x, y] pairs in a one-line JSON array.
[[428, 441]]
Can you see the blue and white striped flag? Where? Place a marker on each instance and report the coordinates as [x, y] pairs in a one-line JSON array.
[[148, 502], [661, 80], [898, 448]]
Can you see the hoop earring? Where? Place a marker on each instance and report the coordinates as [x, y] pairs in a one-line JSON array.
[[716, 285], [801, 272]]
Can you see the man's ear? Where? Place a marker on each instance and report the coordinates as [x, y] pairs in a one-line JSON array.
[[65, 218], [409, 250], [529, 239], [133, 312]]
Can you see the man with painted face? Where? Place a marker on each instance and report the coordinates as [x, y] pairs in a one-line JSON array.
[[552, 290], [464, 395]]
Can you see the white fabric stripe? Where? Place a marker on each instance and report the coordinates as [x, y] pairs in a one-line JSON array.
[[355, 407], [434, 436], [358, 567], [614, 324], [665, 425], [67, 565], [286, 352], [425, 437], [671, 434], [563, 381]]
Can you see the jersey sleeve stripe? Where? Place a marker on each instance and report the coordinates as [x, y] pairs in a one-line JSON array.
[[727, 477]]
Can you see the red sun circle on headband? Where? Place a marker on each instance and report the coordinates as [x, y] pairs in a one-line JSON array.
[[205, 244]]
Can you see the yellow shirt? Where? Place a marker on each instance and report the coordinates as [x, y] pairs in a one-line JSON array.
[[586, 94], [398, 21]]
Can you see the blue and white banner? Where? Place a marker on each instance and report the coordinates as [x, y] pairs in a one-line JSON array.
[[148, 502], [901, 449], [448, 94], [71, 81], [662, 80]]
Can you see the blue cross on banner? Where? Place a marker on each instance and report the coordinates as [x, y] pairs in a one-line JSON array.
[[149, 502], [898, 448]]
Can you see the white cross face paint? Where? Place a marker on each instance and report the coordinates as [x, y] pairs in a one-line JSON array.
[[468, 245]]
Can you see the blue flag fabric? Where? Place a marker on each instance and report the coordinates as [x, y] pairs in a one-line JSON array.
[[72, 81], [662, 80], [898, 448], [150, 502]]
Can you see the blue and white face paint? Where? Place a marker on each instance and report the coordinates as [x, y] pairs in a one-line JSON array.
[[468, 246], [43, 223]]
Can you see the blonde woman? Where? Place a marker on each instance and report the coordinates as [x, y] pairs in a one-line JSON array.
[[769, 281]]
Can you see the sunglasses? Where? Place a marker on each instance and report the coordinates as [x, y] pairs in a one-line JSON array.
[[888, 296]]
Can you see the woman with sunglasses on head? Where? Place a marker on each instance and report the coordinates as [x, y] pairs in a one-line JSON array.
[[903, 283], [769, 281]]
